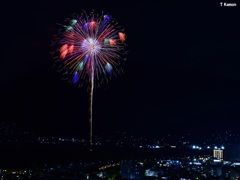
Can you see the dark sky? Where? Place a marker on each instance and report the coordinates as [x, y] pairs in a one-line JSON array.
[[181, 75]]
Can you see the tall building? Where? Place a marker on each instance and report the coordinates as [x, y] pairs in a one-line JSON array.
[[218, 153]]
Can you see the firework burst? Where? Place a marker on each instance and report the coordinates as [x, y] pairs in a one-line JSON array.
[[90, 49], [90, 46]]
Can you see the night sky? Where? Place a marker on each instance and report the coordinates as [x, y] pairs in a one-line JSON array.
[[182, 73]]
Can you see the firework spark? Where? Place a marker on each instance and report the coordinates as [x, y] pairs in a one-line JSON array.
[[90, 48]]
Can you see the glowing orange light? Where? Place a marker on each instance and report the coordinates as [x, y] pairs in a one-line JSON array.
[[122, 36], [63, 51], [63, 54], [63, 48], [70, 49], [112, 42]]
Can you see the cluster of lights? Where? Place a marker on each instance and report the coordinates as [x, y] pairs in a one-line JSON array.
[[196, 147], [222, 147], [208, 147]]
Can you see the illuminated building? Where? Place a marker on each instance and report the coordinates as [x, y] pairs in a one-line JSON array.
[[218, 153]]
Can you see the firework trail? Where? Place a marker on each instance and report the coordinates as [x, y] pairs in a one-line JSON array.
[[90, 49]]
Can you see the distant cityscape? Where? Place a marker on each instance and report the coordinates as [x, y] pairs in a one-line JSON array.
[[124, 156], [11, 134]]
